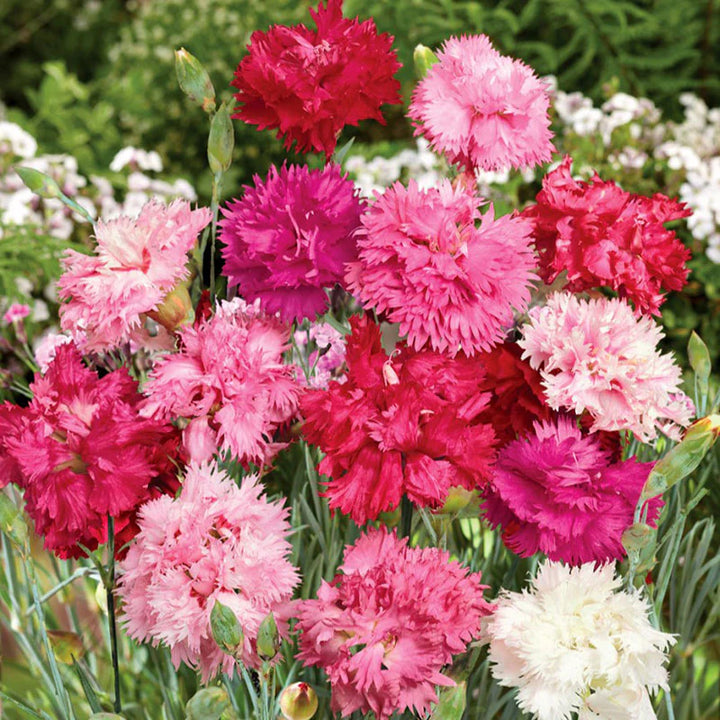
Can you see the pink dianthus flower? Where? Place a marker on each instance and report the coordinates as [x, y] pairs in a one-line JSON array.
[[385, 627], [603, 235], [136, 264], [216, 542], [555, 491], [595, 355], [483, 109], [15, 313], [425, 264], [401, 425], [290, 237], [229, 375], [310, 84], [82, 451]]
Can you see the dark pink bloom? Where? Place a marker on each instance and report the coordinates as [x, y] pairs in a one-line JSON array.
[[310, 84], [407, 424], [603, 235], [386, 626], [83, 452], [483, 109], [290, 237], [425, 263], [556, 491]]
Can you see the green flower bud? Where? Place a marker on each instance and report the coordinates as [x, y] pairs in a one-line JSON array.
[[194, 80], [424, 59], [298, 702], [221, 141], [38, 182], [268, 638], [207, 704], [226, 629]]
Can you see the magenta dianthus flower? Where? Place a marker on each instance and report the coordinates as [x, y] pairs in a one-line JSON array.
[[483, 109], [216, 542], [290, 237], [595, 355], [385, 627], [136, 264], [555, 491], [425, 264], [230, 377]]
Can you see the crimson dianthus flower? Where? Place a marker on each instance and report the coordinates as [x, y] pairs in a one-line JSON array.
[[401, 425], [310, 84], [82, 452], [425, 264], [290, 237], [556, 491], [603, 235], [385, 627]]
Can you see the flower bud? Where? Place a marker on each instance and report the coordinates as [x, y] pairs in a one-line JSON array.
[[194, 80], [679, 462], [175, 310], [458, 498], [221, 140], [66, 646], [298, 702], [38, 182], [207, 704], [268, 638], [424, 58], [700, 362], [226, 629]]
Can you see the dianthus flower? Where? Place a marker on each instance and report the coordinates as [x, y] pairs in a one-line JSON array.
[[136, 264], [386, 626], [290, 237], [310, 84], [229, 378], [595, 355], [518, 397], [324, 348], [603, 235], [401, 425], [483, 109], [216, 542], [425, 264], [556, 491], [573, 644], [81, 451]]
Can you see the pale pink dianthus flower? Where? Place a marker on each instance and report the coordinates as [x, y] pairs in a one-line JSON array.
[[137, 262], [424, 263], [229, 377], [483, 109], [216, 542], [386, 626], [595, 355]]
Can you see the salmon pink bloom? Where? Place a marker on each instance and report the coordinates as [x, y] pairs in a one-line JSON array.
[[112, 293], [401, 425], [385, 627], [483, 109], [229, 373], [216, 542], [290, 237], [557, 492], [425, 264], [309, 84], [596, 356], [81, 451], [602, 235]]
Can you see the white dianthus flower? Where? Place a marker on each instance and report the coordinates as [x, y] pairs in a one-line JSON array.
[[574, 644]]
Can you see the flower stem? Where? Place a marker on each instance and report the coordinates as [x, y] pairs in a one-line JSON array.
[[214, 207], [109, 586], [406, 511]]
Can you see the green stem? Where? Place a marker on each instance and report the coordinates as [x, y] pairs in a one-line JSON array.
[[215, 208], [109, 586], [406, 510]]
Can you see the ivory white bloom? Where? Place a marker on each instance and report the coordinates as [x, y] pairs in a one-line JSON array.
[[574, 643]]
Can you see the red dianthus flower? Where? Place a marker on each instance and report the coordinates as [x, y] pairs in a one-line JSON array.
[[310, 84], [605, 236], [401, 425], [82, 452]]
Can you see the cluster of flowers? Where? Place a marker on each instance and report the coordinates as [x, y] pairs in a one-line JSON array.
[[523, 405]]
